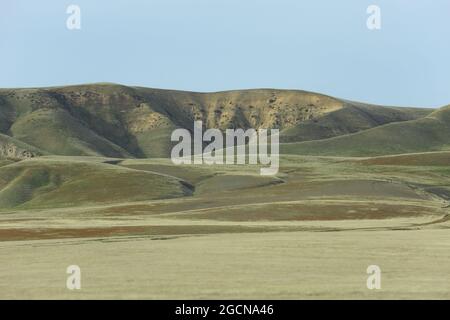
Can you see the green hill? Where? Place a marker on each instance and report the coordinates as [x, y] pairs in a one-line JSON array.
[[354, 117], [119, 121], [45, 183], [431, 133]]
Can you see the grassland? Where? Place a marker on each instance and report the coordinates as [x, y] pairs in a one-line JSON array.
[[157, 230]]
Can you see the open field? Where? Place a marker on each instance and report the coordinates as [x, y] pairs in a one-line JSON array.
[[289, 265], [225, 231]]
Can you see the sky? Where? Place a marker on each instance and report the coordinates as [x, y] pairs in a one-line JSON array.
[[213, 45]]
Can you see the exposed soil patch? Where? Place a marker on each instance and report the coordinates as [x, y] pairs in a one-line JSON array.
[[309, 212], [64, 233]]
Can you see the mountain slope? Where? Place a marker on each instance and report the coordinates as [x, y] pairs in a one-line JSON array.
[[431, 133], [354, 117], [118, 121]]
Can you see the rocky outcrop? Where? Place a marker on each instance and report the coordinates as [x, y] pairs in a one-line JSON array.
[[11, 151]]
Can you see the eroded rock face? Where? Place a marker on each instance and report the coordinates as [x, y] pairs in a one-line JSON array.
[[11, 151]]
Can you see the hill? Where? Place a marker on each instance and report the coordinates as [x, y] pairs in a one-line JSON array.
[[119, 121], [431, 133], [45, 183]]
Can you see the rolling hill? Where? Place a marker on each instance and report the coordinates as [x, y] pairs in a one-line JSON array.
[[134, 122], [431, 133], [45, 183]]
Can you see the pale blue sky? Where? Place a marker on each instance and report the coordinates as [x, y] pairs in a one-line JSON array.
[[211, 45]]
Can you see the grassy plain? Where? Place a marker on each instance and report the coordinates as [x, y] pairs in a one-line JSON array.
[[156, 230]]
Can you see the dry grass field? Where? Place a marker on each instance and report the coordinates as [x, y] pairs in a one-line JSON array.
[[226, 232]]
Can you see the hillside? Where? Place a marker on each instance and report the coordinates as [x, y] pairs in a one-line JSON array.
[[44, 183], [431, 133], [354, 117], [14, 149], [119, 121]]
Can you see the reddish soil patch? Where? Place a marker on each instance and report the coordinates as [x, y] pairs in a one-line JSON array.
[[16, 234]]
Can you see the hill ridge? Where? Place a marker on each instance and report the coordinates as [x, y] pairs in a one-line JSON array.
[[115, 120]]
